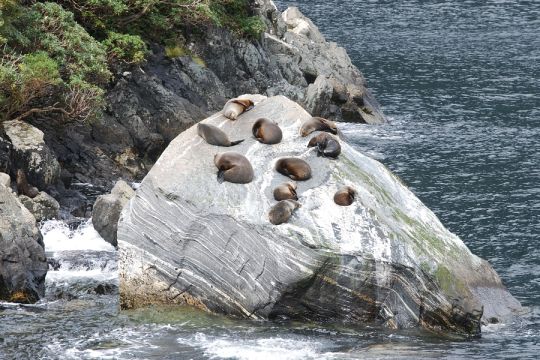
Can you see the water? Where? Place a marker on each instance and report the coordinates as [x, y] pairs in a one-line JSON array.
[[460, 82]]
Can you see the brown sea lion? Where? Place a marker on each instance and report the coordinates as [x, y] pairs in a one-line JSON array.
[[267, 131], [282, 211], [285, 191], [345, 196], [234, 107], [296, 169], [317, 123], [23, 187], [215, 136], [233, 167], [327, 145]]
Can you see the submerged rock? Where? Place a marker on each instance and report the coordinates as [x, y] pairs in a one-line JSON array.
[[385, 259], [107, 209], [23, 264]]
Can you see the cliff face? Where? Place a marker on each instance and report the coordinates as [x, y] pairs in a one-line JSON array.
[[149, 105], [386, 259]]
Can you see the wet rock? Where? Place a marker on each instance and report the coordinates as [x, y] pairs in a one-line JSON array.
[[23, 264], [43, 206], [5, 152], [31, 154], [385, 259], [107, 209]]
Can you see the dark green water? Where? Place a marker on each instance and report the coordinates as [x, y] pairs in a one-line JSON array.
[[460, 82]]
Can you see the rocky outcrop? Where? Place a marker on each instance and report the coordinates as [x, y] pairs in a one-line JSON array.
[[5, 180], [31, 154], [23, 264], [386, 259], [43, 206], [107, 209]]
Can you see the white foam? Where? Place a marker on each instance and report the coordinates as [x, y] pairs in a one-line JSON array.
[[57, 236], [254, 349]]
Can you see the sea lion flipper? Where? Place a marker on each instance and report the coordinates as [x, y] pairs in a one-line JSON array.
[[236, 142], [221, 176], [295, 195]]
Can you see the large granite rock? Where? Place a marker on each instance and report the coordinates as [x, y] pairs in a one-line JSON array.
[[386, 259], [107, 209], [23, 264], [31, 154]]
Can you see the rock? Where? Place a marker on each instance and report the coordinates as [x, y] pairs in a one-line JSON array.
[[43, 206], [386, 259], [23, 264], [5, 152], [31, 154], [319, 96], [107, 209], [5, 180]]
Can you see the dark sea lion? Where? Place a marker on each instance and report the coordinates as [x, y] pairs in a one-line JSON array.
[[296, 169], [345, 196], [267, 131], [215, 136], [23, 187], [318, 123], [234, 107], [233, 167], [327, 145], [282, 211], [285, 191]]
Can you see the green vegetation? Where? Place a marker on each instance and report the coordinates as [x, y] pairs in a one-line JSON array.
[[58, 57]]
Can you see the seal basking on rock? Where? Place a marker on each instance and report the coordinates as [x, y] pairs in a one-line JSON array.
[[318, 123], [282, 211], [345, 196], [327, 145], [267, 131], [285, 191], [296, 169], [23, 187], [234, 107], [233, 167], [215, 136]]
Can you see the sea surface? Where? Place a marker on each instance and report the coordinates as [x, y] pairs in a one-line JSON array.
[[460, 84]]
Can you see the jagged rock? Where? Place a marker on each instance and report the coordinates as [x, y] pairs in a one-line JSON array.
[[319, 95], [23, 264], [31, 154], [43, 206], [5, 180], [107, 209], [386, 259]]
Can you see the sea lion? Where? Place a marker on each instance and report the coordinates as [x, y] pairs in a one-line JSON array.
[[317, 123], [234, 107], [345, 196], [327, 145], [296, 169], [285, 191], [267, 131], [233, 167], [282, 211], [215, 136], [23, 187]]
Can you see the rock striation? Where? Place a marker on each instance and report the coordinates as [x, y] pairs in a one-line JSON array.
[[23, 265], [385, 259]]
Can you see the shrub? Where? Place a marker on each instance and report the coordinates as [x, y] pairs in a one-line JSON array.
[[125, 48], [174, 51]]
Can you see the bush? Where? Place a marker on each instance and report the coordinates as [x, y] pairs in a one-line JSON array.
[[124, 48], [49, 64]]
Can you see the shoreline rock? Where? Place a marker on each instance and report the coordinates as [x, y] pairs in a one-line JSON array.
[[23, 265], [386, 259]]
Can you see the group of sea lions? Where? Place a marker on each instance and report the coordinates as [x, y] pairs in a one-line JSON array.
[[236, 168]]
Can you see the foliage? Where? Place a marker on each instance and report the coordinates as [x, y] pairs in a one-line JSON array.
[[174, 51], [49, 64], [125, 48]]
